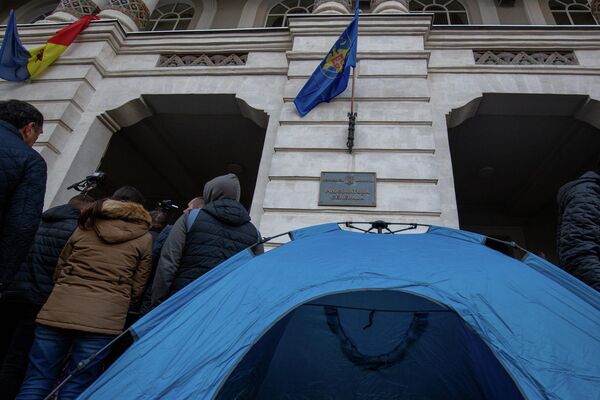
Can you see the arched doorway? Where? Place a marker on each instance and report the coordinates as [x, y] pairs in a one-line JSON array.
[[510, 155], [370, 345], [168, 146]]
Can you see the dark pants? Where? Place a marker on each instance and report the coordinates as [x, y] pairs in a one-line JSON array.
[[50, 347], [16, 337]]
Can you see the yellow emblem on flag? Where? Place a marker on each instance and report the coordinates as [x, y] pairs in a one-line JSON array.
[[336, 58]]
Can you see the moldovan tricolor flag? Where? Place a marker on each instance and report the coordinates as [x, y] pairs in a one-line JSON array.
[[19, 64]]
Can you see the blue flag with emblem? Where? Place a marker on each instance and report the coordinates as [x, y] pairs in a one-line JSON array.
[[331, 76]]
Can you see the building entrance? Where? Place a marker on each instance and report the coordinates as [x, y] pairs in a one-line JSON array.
[[169, 146], [510, 155]]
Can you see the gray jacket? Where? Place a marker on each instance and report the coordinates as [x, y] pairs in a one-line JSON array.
[[217, 190]]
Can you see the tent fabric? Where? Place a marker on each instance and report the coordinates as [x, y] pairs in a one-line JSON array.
[[540, 323], [372, 345]]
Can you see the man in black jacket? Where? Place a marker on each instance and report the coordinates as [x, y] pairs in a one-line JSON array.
[[22, 184], [30, 289], [578, 238], [221, 229]]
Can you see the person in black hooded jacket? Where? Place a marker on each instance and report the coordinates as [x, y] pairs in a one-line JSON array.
[[30, 289], [22, 184], [578, 236], [221, 229]]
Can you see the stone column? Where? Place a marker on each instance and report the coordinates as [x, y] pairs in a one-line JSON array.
[[332, 7], [72, 10], [132, 14], [389, 6]]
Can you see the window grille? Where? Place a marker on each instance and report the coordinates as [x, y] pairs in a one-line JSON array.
[[446, 12], [171, 17], [572, 12], [278, 14]]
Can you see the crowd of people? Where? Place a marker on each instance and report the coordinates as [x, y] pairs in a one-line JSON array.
[[72, 277]]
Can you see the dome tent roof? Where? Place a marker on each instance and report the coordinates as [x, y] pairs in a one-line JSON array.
[[540, 323]]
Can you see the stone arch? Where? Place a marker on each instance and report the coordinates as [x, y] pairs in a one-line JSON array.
[[169, 145], [453, 92], [511, 153], [157, 143], [101, 119], [588, 111]]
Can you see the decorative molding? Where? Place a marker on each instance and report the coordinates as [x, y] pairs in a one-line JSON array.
[[78, 8], [555, 70], [201, 60], [507, 57], [134, 9]]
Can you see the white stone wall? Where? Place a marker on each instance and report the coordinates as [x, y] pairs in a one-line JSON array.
[[408, 79], [394, 135]]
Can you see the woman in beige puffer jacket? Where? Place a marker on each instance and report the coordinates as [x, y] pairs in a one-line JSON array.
[[101, 270]]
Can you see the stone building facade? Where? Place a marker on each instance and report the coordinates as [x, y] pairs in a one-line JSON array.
[[471, 113]]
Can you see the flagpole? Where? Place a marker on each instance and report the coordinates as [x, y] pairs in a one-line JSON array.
[[351, 116]]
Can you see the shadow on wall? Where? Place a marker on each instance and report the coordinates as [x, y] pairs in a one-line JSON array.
[[510, 155]]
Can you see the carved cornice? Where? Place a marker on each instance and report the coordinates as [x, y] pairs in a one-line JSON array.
[[507, 57], [551, 37], [201, 60]]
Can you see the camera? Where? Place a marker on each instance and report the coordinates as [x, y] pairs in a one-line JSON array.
[[89, 182], [167, 205]]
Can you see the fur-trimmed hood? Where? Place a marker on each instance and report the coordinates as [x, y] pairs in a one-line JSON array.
[[121, 221]]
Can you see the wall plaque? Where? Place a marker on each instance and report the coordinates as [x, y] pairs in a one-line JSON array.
[[347, 189]]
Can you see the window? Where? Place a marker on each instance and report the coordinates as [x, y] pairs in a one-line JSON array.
[[446, 12], [278, 15], [572, 12], [41, 16], [171, 17]]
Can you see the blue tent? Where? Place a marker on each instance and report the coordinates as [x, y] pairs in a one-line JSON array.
[[335, 314]]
